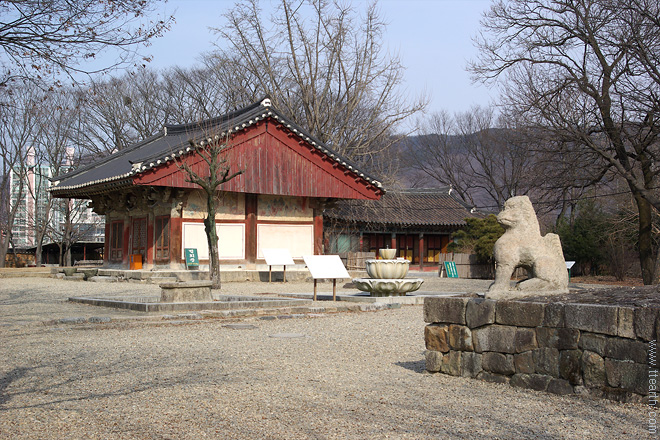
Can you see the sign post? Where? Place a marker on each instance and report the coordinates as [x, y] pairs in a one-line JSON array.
[[277, 257], [326, 267], [569, 266]]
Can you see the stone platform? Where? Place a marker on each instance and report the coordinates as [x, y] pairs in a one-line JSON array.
[[361, 297], [188, 291], [225, 302]]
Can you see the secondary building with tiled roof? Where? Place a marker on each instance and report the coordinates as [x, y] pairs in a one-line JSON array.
[[416, 222], [153, 211]]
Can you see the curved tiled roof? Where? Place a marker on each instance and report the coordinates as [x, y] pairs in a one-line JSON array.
[[178, 140], [406, 208]]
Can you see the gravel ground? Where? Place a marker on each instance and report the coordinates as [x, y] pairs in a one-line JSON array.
[[351, 376]]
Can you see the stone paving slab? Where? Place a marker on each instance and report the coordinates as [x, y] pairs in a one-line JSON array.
[[288, 335], [152, 305], [416, 298], [240, 326]]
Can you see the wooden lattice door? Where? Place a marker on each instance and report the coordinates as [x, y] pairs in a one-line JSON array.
[[139, 238]]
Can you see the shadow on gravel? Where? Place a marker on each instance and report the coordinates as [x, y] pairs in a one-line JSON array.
[[59, 379], [7, 379], [416, 366]]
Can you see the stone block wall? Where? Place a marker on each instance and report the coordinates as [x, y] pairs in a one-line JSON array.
[[562, 348]]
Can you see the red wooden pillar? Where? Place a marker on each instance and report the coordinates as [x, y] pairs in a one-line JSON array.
[[106, 245], [251, 228], [421, 251], [176, 239], [444, 242], [393, 244], [318, 232], [125, 245], [150, 239]]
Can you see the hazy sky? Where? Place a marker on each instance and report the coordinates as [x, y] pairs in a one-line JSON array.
[[432, 38]]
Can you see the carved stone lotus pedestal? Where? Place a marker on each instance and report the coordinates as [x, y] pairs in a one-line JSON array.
[[388, 269], [387, 277]]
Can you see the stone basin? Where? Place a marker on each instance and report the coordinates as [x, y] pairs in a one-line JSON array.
[[387, 286], [387, 269], [187, 291], [387, 254]]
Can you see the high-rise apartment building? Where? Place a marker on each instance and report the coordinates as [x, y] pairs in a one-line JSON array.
[[29, 192]]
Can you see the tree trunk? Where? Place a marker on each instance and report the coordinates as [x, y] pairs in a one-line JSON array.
[[645, 240], [656, 271], [42, 227], [37, 254], [66, 239], [4, 245], [67, 257], [212, 236]]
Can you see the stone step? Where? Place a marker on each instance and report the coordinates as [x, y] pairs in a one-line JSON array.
[[162, 279], [103, 279]]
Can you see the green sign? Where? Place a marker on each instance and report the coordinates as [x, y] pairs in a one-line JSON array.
[[450, 268], [191, 257]]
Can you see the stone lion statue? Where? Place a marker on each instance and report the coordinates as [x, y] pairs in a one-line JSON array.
[[523, 246]]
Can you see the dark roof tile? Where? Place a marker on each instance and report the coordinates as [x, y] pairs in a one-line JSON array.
[[413, 207]]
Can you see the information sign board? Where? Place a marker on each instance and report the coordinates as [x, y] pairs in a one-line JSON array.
[[450, 268], [191, 257], [277, 257], [569, 266], [326, 267]]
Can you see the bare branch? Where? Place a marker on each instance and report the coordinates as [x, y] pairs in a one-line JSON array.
[[41, 39]]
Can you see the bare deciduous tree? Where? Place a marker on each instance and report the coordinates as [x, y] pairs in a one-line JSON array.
[[55, 149], [143, 97], [201, 92], [209, 173], [120, 111], [323, 66], [582, 73], [479, 157], [40, 39], [104, 125], [19, 115]]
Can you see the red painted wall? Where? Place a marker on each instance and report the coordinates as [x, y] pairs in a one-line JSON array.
[[274, 161]]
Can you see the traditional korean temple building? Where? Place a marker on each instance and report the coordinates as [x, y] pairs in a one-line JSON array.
[[151, 210], [416, 222]]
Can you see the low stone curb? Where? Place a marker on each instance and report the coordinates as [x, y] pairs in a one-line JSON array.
[[266, 314]]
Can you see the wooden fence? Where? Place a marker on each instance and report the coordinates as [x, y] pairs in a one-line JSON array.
[[19, 259], [467, 266], [356, 260]]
